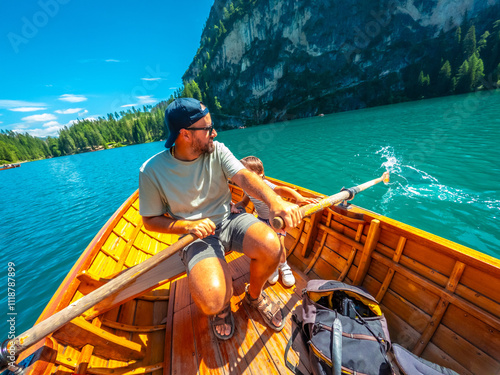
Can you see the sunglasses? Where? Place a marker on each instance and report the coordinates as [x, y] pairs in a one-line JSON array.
[[209, 128]]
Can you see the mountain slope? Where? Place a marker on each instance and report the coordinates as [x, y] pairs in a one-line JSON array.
[[268, 60]]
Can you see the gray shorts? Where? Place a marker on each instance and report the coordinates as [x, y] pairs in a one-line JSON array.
[[228, 236]]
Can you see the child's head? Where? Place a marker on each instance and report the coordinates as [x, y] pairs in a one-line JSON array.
[[253, 164]]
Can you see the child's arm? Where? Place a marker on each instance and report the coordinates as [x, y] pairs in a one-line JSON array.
[[237, 207], [287, 192]]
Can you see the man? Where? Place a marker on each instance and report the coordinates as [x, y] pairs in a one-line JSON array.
[[188, 181]]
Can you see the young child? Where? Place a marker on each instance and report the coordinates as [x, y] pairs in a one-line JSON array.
[[255, 165]]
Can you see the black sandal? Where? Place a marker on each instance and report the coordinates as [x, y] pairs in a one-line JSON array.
[[217, 320]]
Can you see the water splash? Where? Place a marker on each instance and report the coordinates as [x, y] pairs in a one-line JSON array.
[[410, 182]]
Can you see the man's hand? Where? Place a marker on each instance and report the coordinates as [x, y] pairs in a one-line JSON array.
[[200, 228], [163, 224], [289, 212], [303, 201]]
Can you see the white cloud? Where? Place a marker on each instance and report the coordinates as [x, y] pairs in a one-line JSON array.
[[142, 100], [152, 79], [83, 112], [19, 103], [20, 128], [43, 117], [72, 98], [27, 109], [112, 60], [51, 123], [50, 128], [146, 99], [68, 111]]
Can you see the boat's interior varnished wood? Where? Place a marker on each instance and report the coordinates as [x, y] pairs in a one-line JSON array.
[[254, 348], [442, 305], [441, 300]]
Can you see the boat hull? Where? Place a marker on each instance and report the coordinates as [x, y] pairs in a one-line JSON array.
[[441, 299]]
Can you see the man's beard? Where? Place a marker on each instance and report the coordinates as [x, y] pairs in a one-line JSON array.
[[207, 148]]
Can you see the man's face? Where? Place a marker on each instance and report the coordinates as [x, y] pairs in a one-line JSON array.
[[203, 141]]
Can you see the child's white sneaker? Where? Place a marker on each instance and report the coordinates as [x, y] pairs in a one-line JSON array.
[[286, 274], [273, 279]]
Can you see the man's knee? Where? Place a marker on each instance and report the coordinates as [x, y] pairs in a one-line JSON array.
[[212, 299], [213, 305], [271, 246], [211, 286]]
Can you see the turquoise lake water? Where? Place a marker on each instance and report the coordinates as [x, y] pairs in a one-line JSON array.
[[443, 156]]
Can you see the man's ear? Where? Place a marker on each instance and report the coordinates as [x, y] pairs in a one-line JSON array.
[[185, 134]]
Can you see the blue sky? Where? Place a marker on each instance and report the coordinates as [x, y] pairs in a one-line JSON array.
[[66, 59]]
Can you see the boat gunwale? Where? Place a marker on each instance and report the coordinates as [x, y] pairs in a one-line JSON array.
[[68, 286], [474, 258]]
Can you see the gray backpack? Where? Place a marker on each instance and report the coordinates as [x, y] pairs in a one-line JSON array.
[[346, 333]]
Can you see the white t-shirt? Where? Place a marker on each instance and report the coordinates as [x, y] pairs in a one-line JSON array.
[[262, 208], [190, 190]]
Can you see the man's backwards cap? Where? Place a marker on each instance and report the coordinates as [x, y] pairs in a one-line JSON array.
[[181, 114]]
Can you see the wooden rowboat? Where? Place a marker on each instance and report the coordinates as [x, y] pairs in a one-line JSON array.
[[441, 300]]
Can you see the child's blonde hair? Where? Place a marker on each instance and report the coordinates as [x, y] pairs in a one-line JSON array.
[[253, 163]]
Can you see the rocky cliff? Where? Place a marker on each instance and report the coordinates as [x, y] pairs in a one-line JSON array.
[[269, 60]]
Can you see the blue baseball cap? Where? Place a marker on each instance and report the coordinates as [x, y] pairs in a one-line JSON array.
[[180, 114]]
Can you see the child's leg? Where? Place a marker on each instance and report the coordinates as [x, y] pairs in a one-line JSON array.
[[283, 249], [286, 273]]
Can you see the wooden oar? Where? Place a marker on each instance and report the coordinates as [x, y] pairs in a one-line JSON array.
[[120, 282], [345, 194]]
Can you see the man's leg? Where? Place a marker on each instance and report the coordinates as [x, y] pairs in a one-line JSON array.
[[262, 246], [210, 284], [211, 287]]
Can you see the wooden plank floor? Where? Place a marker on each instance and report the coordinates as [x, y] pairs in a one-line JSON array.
[[192, 348]]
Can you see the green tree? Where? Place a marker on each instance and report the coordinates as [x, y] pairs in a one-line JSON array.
[[483, 41], [139, 133], [66, 143], [470, 74], [6, 155], [458, 35], [445, 85], [462, 79], [423, 82], [53, 146], [469, 42], [217, 104]]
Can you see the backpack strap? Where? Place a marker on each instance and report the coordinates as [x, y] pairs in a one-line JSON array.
[[296, 331], [336, 347]]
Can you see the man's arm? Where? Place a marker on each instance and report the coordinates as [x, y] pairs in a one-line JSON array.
[[163, 224], [287, 192], [257, 188]]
